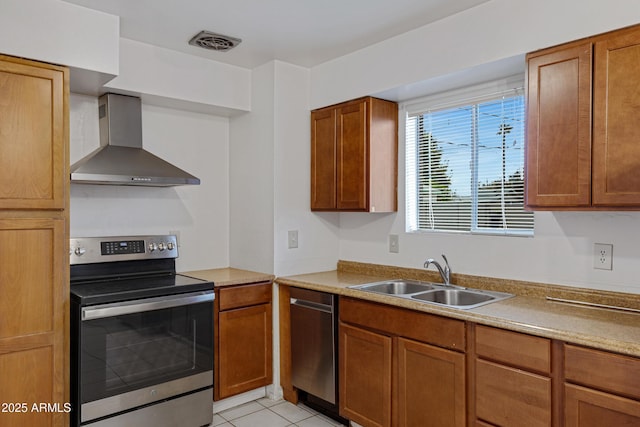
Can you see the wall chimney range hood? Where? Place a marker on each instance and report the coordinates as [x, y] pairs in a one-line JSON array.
[[121, 160]]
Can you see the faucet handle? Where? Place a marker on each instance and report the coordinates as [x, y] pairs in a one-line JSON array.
[[446, 261], [447, 270]]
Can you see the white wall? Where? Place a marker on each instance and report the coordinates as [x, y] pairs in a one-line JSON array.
[[197, 143], [490, 32], [54, 31], [251, 178], [269, 175], [317, 232], [562, 250], [177, 80]]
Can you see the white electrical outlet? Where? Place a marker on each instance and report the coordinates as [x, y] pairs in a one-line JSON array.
[[603, 256], [292, 239], [394, 243]]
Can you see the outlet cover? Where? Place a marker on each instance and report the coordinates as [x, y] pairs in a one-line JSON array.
[[394, 243], [603, 256], [292, 239]]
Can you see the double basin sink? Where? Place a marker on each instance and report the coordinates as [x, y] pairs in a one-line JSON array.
[[434, 293]]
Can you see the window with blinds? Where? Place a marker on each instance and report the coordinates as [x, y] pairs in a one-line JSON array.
[[465, 166]]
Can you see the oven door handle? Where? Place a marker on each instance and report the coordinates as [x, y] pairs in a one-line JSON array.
[[147, 304]]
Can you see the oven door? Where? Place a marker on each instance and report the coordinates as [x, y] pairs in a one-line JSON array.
[[138, 352]]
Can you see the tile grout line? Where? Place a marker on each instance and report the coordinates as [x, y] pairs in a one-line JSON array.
[[269, 408]]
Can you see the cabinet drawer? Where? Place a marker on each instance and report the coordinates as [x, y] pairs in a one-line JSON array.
[[513, 348], [606, 371], [506, 396], [244, 295], [436, 330]]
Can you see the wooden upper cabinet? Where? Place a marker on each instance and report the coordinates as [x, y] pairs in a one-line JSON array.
[[351, 134], [559, 127], [354, 156], [616, 134], [592, 84], [323, 159], [33, 134]]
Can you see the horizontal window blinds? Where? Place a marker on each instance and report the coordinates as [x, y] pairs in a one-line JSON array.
[[465, 166]]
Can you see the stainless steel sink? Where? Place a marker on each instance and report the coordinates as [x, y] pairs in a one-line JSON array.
[[462, 298], [434, 293], [396, 287]]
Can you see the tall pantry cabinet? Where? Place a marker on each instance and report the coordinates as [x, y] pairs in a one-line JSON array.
[[34, 266]]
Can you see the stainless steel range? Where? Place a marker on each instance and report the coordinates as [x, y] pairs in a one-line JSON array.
[[141, 335]]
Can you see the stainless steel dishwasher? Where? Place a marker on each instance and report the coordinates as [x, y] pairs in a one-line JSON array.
[[314, 342]]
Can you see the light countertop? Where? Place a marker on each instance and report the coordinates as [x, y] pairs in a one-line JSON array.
[[229, 276], [528, 312]]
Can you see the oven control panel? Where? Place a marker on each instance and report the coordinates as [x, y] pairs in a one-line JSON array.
[[86, 250], [122, 247]]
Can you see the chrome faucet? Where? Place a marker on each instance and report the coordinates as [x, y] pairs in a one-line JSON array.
[[445, 272]]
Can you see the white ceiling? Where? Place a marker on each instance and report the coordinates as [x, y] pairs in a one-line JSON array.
[[301, 32]]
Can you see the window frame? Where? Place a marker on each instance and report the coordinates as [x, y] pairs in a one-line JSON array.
[[471, 95]]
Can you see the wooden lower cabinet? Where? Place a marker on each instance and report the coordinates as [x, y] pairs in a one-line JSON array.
[[392, 373], [400, 367], [585, 407], [431, 385], [365, 376], [243, 329], [513, 383], [601, 388], [34, 299], [508, 396]]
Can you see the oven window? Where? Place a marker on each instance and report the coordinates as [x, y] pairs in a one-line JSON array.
[[127, 352]]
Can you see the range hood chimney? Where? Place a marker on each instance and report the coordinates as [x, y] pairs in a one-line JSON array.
[[121, 160]]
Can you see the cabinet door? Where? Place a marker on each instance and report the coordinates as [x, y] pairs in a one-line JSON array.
[[431, 385], [244, 349], [353, 171], [616, 151], [33, 133], [590, 408], [33, 302], [558, 156], [323, 159], [511, 397], [365, 376]]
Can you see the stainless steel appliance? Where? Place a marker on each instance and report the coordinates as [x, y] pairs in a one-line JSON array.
[[141, 335], [314, 343], [121, 159]]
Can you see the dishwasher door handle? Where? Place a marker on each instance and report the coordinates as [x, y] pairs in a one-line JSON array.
[[325, 308]]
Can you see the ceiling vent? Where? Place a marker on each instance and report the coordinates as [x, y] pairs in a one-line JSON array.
[[213, 41]]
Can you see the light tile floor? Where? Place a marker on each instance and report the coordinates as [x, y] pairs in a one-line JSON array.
[[269, 413]]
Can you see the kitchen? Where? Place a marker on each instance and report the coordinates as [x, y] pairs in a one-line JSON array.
[[243, 222]]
